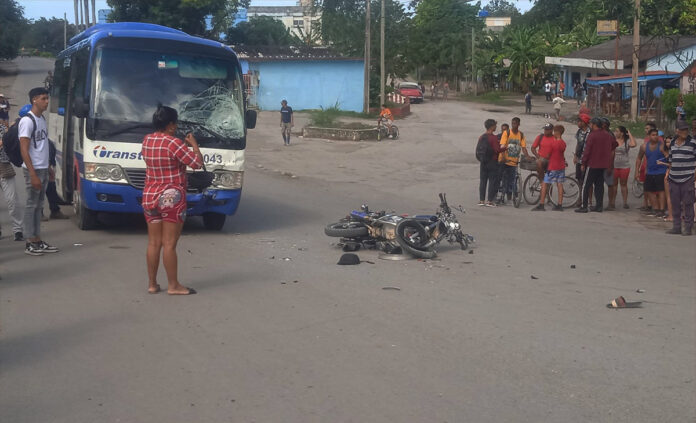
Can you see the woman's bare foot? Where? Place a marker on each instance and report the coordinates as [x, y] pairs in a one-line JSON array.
[[153, 289], [180, 290]]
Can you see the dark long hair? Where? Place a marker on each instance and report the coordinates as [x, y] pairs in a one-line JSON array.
[[163, 116], [624, 134]]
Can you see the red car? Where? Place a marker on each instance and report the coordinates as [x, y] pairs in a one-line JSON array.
[[412, 91]]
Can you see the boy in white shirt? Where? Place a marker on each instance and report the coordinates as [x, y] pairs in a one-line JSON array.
[[33, 140]]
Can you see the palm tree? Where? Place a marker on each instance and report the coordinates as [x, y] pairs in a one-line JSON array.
[[524, 50]]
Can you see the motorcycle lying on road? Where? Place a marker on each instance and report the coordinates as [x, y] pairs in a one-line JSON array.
[[416, 235]]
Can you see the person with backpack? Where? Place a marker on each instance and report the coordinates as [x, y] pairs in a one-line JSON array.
[[487, 150], [34, 147], [9, 188], [516, 146]]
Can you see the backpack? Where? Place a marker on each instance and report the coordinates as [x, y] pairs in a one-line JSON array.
[[483, 149], [10, 142]]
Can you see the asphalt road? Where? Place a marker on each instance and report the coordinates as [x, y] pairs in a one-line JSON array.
[[279, 333]]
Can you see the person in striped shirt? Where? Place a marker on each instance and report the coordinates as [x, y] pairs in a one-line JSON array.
[[682, 165]]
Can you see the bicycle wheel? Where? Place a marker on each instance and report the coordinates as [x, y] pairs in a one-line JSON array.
[[517, 194], [532, 189], [637, 188], [571, 192]]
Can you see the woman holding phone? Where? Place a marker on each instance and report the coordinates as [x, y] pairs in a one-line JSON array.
[[164, 195]]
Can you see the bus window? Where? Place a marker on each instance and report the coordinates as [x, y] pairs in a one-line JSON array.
[[59, 94]]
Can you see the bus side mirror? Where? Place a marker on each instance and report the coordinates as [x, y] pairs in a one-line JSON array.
[[80, 107], [250, 119]]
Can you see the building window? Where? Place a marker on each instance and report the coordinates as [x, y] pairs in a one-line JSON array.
[[298, 23]]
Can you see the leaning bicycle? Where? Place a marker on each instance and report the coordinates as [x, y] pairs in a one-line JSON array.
[[531, 188]]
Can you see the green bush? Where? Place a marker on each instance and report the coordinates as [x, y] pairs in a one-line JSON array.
[[669, 104], [325, 118]]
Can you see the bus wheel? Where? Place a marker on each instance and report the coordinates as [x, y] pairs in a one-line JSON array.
[[86, 218], [213, 221]]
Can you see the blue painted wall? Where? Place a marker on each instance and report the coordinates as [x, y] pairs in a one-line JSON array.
[[310, 84]]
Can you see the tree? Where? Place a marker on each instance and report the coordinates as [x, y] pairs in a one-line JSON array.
[[523, 47], [186, 15], [261, 31], [441, 36], [343, 25], [502, 8], [46, 35], [11, 24]]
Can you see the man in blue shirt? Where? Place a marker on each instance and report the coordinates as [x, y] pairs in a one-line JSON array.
[[287, 121]]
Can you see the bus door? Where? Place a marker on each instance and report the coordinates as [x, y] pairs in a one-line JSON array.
[[74, 126], [57, 127]]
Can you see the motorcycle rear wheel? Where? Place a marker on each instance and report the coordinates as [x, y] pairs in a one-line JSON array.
[[346, 229], [411, 236]]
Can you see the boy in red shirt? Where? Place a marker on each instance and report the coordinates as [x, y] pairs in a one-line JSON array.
[[555, 173], [543, 144]]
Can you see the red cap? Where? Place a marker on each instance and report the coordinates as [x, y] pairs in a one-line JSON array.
[[584, 117]]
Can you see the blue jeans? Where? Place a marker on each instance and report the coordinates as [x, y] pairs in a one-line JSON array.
[[35, 201]]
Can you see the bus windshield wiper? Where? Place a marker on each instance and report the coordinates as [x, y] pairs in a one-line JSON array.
[[201, 126], [129, 128]]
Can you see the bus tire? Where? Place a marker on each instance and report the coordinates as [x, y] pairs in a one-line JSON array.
[[86, 218], [213, 221]]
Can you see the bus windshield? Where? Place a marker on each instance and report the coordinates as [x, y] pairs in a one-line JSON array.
[[129, 84]]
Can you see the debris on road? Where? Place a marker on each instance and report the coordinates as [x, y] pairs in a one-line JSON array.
[[534, 277], [349, 259], [620, 302], [471, 251], [77, 244], [640, 291], [391, 288], [286, 259], [572, 266]]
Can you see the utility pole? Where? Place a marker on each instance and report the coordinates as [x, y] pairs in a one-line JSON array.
[[82, 16], [65, 30], [473, 66], [86, 14], [382, 81], [366, 85], [634, 70], [94, 12], [77, 15]]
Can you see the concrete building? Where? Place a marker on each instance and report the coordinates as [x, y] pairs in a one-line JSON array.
[[606, 68], [307, 77], [497, 24], [687, 79], [299, 19]]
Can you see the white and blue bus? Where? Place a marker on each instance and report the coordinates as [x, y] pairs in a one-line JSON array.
[[108, 83]]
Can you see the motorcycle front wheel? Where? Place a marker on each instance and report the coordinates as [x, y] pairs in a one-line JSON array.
[[412, 237], [346, 229]]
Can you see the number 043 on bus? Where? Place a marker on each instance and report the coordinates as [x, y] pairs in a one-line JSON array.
[[108, 83]]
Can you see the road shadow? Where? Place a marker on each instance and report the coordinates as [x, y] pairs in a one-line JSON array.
[[256, 213]]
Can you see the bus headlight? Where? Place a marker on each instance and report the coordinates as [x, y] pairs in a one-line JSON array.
[[103, 172], [225, 179]]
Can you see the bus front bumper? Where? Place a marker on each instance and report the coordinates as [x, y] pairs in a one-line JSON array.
[[117, 198]]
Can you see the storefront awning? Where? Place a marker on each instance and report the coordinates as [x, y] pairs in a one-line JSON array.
[[627, 78]]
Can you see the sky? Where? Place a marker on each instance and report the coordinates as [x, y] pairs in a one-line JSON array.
[[35, 9]]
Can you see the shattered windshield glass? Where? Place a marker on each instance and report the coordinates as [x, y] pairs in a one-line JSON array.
[[129, 84]]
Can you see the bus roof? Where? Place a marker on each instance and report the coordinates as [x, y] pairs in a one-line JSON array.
[[135, 30]]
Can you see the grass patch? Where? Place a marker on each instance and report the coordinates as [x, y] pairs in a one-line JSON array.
[[329, 118], [491, 97], [636, 128]]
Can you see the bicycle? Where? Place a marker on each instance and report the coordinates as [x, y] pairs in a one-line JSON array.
[[532, 190], [516, 189], [383, 131]]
